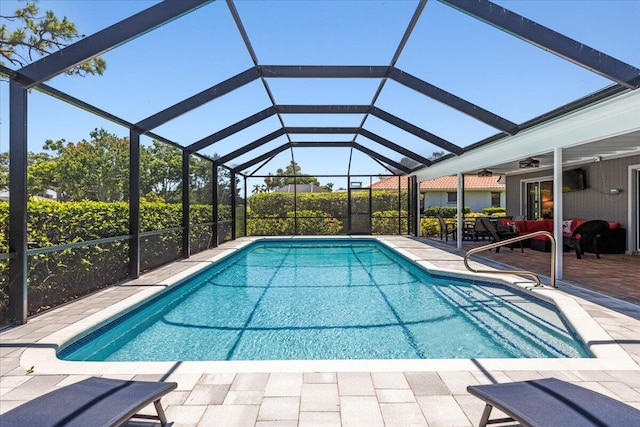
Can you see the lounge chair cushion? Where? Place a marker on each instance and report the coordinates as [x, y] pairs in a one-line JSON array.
[[552, 402], [91, 402]]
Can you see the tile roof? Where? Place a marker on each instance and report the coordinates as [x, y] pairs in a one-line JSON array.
[[471, 182]]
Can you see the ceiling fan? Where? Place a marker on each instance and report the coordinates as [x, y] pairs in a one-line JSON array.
[[485, 172], [529, 162]]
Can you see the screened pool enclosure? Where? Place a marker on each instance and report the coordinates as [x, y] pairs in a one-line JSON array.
[[179, 164]]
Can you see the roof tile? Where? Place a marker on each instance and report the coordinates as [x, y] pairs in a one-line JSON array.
[[471, 182]]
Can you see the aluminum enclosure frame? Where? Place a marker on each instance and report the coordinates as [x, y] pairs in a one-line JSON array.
[[33, 76]]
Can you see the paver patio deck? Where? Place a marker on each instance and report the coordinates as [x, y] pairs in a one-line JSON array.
[[278, 397]]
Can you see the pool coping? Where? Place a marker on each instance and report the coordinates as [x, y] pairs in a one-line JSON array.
[[608, 353]]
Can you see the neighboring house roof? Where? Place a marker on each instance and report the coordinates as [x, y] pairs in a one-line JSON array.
[[301, 188], [4, 196], [445, 183]]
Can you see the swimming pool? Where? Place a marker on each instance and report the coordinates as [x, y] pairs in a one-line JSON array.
[[329, 299]]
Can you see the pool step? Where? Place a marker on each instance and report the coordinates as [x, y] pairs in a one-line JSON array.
[[510, 322]]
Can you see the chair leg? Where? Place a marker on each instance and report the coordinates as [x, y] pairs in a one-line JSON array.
[[485, 415], [161, 416]]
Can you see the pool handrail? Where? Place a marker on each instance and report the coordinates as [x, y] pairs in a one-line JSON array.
[[505, 242]]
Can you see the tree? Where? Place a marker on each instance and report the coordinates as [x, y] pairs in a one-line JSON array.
[[436, 155], [328, 186], [201, 189], [41, 174], [4, 170], [98, 170], [286, 177], [161, 171], [36, 35], [89, 170], [257, 188]]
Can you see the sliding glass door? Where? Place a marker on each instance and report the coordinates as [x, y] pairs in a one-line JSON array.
[[539, 199]]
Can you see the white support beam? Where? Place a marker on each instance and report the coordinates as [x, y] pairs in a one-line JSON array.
[[633, 220], [460, 206], [557, 209]]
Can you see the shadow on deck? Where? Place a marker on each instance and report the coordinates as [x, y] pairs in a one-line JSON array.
[[613, 275]]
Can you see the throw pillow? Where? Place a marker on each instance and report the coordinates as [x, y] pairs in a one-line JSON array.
[[566, 225]]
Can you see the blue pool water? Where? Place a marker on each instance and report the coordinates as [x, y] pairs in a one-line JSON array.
[[329, 299]]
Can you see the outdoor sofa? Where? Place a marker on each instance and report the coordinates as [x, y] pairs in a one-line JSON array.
[[612, 241]]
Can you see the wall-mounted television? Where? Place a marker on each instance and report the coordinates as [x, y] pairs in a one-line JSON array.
[[574, 180]]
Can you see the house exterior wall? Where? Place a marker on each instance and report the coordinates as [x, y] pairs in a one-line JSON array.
[[594, 202], [476, 200]]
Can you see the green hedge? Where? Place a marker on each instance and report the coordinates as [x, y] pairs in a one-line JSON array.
[[429, 227], [314, 222], [335, 204], [318, 222], [269, 212], [389, 222], [494, 211], [444, 211], [57, 277], [308, 223]]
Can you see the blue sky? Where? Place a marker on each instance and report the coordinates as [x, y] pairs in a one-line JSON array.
[[447, 48]]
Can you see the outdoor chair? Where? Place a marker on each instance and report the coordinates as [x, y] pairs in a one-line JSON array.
[[91, 402], [479, 230], [585, 237], [445, 231], [552, 402], [498, 235]]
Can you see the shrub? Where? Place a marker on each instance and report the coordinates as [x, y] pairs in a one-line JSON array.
[[267, 225], [494, 211], [429, 227], [335, 204], [63, 275], [314, 222], [264, 204], [444, 211], [386, 222], [308, 223]]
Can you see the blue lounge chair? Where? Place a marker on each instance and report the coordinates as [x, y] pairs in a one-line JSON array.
[[552, 402], [92, 402]]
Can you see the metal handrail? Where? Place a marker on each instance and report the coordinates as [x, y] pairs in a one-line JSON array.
[[518, 272]]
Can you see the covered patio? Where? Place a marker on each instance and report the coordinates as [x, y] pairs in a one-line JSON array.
[[613, 275]]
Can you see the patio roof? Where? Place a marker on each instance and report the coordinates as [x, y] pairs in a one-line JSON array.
[[382, 102]]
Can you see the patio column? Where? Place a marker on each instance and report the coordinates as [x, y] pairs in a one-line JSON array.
[[557, 208], [460, 207], [17, 203]]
